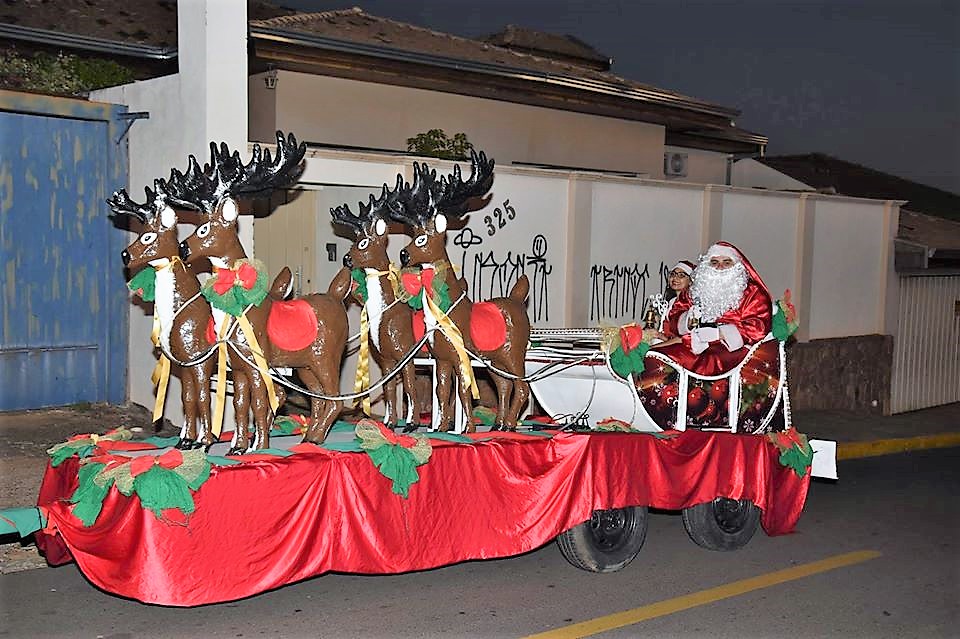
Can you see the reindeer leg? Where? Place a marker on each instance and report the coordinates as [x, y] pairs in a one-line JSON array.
[[521, 394], [203, 372], [241, 410], [409, 374], [188, 398], [466, 401], [262, 413], [503, 386], [313, 385], [329, 382], [444, 395], [390, 397]]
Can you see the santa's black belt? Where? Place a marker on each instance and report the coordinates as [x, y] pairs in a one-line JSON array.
[[707, 325]]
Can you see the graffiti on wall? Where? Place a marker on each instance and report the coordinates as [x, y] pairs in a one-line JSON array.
[[619, 292], [492, 274]]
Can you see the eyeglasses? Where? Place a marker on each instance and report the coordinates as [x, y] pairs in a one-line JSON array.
[[677, 274]]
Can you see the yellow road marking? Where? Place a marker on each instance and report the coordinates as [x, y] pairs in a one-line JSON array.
[[855, 450], [670, 606]]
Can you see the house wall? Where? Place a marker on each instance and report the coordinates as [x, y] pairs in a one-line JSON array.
[[753, 174], [703, 167], [350, 112], [595, 246]]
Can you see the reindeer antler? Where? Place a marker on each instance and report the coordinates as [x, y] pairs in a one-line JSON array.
[[122, 204], [343, 216], [454, 192], [226, 174], [263, 173], [375, 208], [427, 196]]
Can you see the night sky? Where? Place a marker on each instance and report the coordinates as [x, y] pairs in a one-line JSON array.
[[876, 82]]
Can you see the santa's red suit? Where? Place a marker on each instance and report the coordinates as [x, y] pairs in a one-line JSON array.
[[736, 329]]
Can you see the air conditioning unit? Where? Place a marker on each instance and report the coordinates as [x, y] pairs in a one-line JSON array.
[[675, 164]]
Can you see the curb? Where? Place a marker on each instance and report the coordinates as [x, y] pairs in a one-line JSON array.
[[857, 450]]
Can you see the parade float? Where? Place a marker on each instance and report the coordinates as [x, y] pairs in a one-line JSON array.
[[216, 515]]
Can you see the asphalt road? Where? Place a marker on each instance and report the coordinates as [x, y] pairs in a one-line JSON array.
[[902, 508]]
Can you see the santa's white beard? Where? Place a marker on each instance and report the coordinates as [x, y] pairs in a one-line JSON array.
[[718, 291]]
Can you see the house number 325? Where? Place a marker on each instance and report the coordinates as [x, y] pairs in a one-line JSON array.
[[499, 218]]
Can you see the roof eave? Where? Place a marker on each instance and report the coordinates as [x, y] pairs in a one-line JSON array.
[[649, 96], [86, 43]]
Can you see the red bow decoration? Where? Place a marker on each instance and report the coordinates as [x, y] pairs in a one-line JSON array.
[[630, 337], [245, 276], [169, 460]]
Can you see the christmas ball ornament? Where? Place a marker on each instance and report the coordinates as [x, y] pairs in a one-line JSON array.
[[696, 400], [718, 392]]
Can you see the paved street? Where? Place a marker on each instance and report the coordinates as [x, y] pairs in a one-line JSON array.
[[900, 506]]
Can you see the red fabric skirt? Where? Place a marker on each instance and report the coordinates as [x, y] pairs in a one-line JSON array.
[[269, 522]]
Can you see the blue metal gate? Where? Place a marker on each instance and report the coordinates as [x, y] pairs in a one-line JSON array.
[[63, 303]]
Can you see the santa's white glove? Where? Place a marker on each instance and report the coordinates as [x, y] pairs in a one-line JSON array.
[[730, 336], [701, 337]]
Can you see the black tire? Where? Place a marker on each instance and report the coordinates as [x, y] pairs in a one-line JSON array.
[[722, 524], [608, 541]]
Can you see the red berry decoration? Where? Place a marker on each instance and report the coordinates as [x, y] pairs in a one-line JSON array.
[[718, 392], [709, 413]]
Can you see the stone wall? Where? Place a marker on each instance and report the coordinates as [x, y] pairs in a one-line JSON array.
[[844, 373]]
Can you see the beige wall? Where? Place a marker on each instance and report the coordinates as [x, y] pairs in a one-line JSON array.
[[703, 167], [751, 173], [350, 112]]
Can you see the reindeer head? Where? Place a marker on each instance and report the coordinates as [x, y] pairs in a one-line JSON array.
[[429, 203], [159, 242], [369, 249], [214, 190]]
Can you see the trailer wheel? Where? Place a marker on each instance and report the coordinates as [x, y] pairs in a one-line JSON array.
[[608, 541], [722, 524]]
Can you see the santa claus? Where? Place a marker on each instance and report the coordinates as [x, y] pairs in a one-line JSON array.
[[727, 310]]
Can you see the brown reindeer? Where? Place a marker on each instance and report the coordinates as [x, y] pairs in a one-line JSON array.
[[183, 313], [308, 334], [390, 319], [498, 329]]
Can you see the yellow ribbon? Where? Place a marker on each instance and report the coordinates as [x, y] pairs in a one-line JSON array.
[[260, 360], [453, 334], [362, 380], [216, 426]]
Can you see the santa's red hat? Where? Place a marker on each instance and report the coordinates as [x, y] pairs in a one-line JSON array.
[[726, 249]]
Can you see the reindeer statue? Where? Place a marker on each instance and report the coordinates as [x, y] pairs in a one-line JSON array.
[[308, 334], [499, 329], [183, 314], [390, 320]]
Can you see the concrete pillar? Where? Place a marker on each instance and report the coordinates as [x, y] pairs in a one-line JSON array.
[[712, 226], [803, 265], [212, 53], [576, 270]]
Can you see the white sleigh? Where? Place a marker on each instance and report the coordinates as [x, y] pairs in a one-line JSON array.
[[580, 386]]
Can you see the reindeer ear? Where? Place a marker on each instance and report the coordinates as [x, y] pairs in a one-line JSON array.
[[229, 209], [380, 227], [440, 223], [168, 217]]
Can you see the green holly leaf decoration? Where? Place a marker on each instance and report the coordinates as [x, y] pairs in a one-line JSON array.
[[624, 364], [160, 488], [144, 284], [783, 326], [795, 450], [89, 495], [226, 292], [359, 276]]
